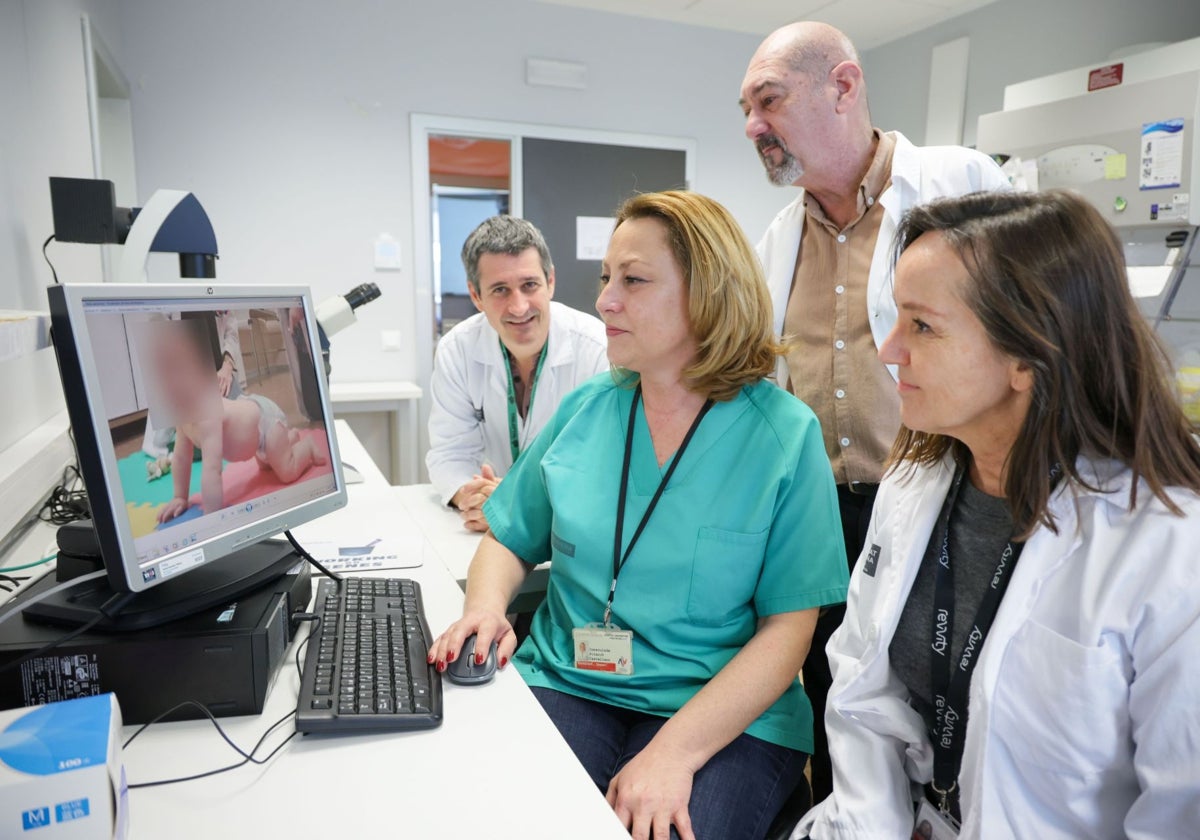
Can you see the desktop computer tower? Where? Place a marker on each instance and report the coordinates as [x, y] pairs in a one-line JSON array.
[[224, 658]]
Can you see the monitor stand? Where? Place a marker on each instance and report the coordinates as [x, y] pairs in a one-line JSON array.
[[218, 582]]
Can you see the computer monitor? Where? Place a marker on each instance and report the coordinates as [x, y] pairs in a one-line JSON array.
[[202, 426]]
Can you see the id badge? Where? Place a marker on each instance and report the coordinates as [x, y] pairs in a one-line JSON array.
[[601, 648], [932, 824]]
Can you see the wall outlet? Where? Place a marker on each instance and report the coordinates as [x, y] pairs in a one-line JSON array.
[[390, 339]]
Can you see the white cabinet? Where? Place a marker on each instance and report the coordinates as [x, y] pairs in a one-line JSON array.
[[120, 383]]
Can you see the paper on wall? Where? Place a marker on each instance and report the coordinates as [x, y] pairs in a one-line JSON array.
[[591, 236], [1162, 155]]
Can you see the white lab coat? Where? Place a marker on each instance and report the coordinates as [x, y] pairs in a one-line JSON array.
[[919, 175], [470, 379], [1084, 709]]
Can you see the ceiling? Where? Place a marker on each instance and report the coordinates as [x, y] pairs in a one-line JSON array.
[[869, 23]]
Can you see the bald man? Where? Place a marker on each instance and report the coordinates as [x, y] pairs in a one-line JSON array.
[[826, 257]]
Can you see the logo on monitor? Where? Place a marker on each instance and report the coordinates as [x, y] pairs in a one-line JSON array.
[[149, 574]]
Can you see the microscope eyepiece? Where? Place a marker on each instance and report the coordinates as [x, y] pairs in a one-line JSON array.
[[362, 294]]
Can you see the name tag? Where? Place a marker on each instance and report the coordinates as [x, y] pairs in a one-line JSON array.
[[600, 648], [932, 824]]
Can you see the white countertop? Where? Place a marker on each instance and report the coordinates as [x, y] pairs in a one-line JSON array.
[[496, 768]]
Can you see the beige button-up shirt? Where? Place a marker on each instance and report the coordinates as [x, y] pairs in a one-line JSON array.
[[833, 364]]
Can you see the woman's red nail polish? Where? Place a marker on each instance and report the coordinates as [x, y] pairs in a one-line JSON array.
[[450, 658], [441, 666], [479, 659], [429, 659], [503, 661]]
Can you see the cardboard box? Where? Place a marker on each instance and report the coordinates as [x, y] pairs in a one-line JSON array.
[[61, 776]]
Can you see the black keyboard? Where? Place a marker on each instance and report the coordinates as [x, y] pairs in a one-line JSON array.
[[365, 668]]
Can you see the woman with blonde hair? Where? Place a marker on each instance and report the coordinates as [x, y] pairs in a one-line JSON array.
[[691, 517]]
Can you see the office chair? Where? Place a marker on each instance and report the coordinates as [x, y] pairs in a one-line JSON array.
[[793, 809]]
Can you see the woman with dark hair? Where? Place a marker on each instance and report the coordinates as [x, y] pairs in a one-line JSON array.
[[1019, 647]]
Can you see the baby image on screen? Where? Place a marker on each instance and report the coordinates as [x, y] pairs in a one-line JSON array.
[[228, 433]]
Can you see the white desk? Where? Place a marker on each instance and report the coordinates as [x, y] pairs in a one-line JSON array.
[[399, 399], [496, 768], [453, 543]]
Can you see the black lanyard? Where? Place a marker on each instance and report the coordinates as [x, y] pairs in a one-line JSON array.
[[619, 560], [951, 680]]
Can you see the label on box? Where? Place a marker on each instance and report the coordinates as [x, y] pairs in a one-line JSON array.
[[76, 809], [35, 818], [48, 679]]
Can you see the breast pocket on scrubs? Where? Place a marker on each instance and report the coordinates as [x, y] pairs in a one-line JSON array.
[[725, 571], [1061, 705]]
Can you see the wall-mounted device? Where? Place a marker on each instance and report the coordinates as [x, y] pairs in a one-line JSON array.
[[1130, 149], [1124, 136]]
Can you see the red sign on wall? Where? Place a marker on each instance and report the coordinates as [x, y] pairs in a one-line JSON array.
[[1104, 77]]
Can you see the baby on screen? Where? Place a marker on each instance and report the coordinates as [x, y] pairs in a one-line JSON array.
[[251, 426]]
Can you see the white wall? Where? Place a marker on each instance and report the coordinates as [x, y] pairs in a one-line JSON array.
[[43, 132], [117, 160], [290, 122], [1012, 41]]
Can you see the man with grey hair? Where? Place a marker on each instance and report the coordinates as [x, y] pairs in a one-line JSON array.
[[499, 375], [827, 261]]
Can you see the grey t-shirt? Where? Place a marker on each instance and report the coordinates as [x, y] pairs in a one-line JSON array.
[[980, 527]]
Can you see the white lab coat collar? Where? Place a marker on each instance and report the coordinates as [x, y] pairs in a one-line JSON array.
[[1110, 482], [788, 228], [486, 348], [919, 174]]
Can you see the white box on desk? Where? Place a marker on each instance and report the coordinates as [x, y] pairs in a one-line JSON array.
[[61, 775]]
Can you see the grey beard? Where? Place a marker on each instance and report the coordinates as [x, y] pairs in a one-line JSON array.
[[786, 173]]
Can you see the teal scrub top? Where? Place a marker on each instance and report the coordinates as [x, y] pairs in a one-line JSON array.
[[748, 527]]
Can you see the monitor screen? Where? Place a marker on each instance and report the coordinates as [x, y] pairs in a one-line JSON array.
[[201, 417]]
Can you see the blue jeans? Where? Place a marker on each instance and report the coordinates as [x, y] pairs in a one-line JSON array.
[[735, 796]]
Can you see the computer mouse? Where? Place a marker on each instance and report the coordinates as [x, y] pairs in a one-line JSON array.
[[464, 671]]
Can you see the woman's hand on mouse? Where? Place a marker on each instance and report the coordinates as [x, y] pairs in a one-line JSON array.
[[487, 626]]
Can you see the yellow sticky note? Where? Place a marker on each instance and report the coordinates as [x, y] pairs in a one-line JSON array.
[[1114, 167]]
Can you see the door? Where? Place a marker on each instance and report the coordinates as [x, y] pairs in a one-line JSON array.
[[470, 179], [455, 215], [576, 190], [564, 180]]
